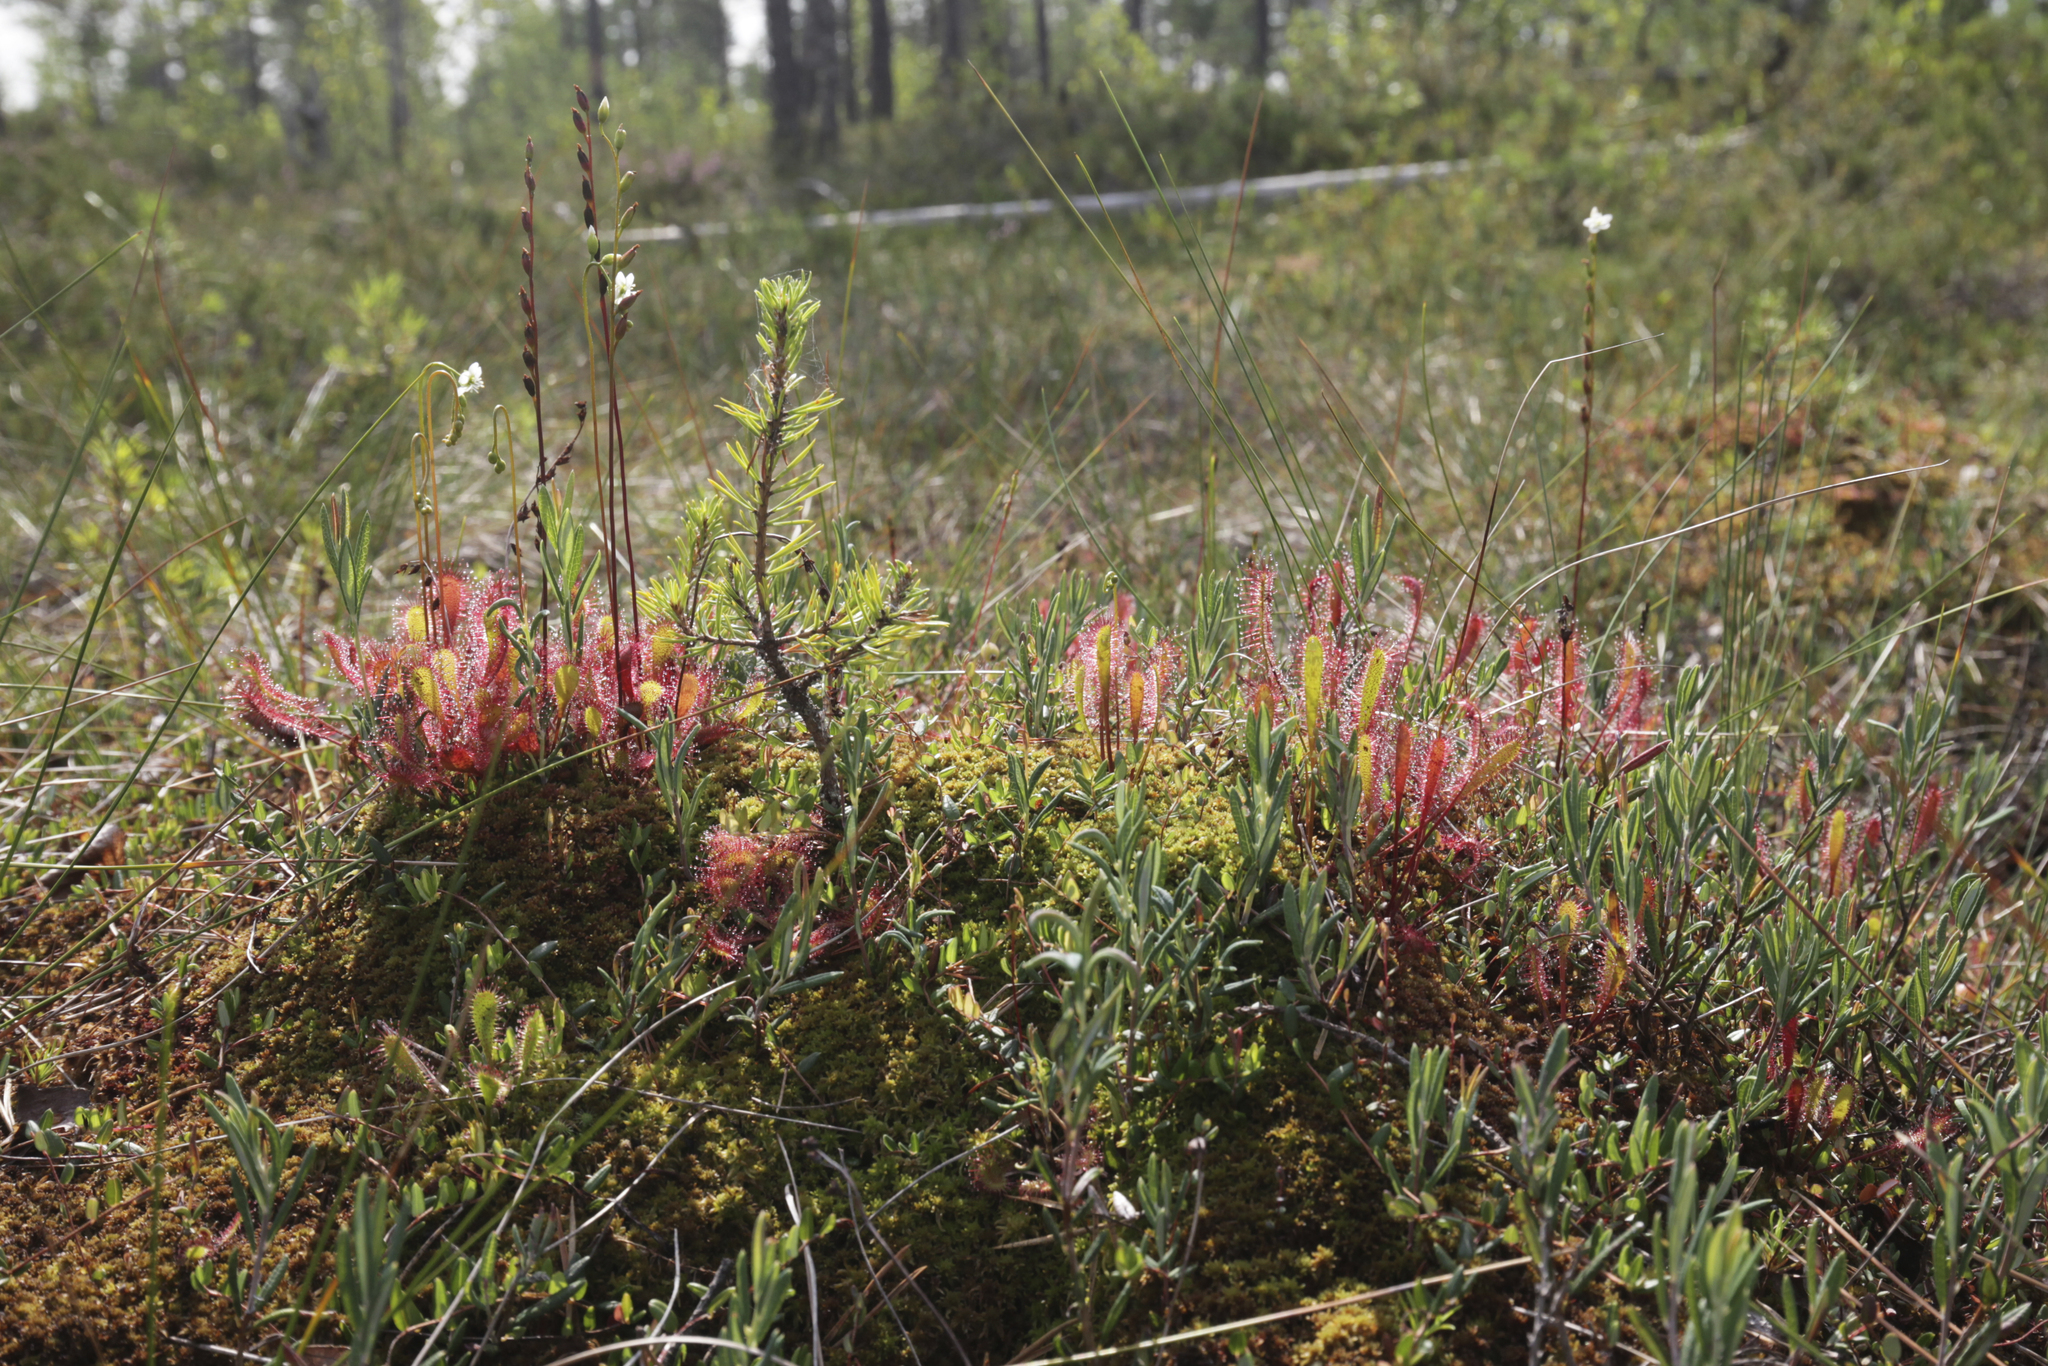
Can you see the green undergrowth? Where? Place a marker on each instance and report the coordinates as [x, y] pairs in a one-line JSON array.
[[873, 1069], [745, 949], [877, 1075]]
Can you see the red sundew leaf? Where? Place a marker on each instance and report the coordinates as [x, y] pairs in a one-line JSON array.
[[283, 716], [1403, 755], [1432, 776], [1416, 591], [1255, 613], [1928, 819], [1468, 644]]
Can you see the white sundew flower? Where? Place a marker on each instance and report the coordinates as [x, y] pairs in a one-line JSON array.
[[1598, 222], [622, 285], [470, 381]]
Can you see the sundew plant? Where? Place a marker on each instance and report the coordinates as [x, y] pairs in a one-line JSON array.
[[679, 935]]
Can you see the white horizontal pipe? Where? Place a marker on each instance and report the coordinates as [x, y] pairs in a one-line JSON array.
[[1272, 187]]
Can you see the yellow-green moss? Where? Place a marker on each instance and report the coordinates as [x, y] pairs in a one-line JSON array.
[[859, 1070]]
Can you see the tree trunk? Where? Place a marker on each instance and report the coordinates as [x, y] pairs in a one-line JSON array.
[[395, 75], [1262, 36], [252, 68], [821, 47], [849, 79], [881, 62], [593, 42], [1134, 10], [1044, 36], [310, 113], [785, 86], [723, 62], [301, 107], [952, 37]]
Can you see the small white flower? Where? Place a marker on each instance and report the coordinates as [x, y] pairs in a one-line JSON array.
[[470, 381], [622, 285], [1598, 222]]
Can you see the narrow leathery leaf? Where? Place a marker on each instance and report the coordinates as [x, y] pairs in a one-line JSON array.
[[1837, 846]]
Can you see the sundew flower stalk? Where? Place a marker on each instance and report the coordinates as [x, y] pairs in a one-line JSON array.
[[615, 295], [1595, 224]]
